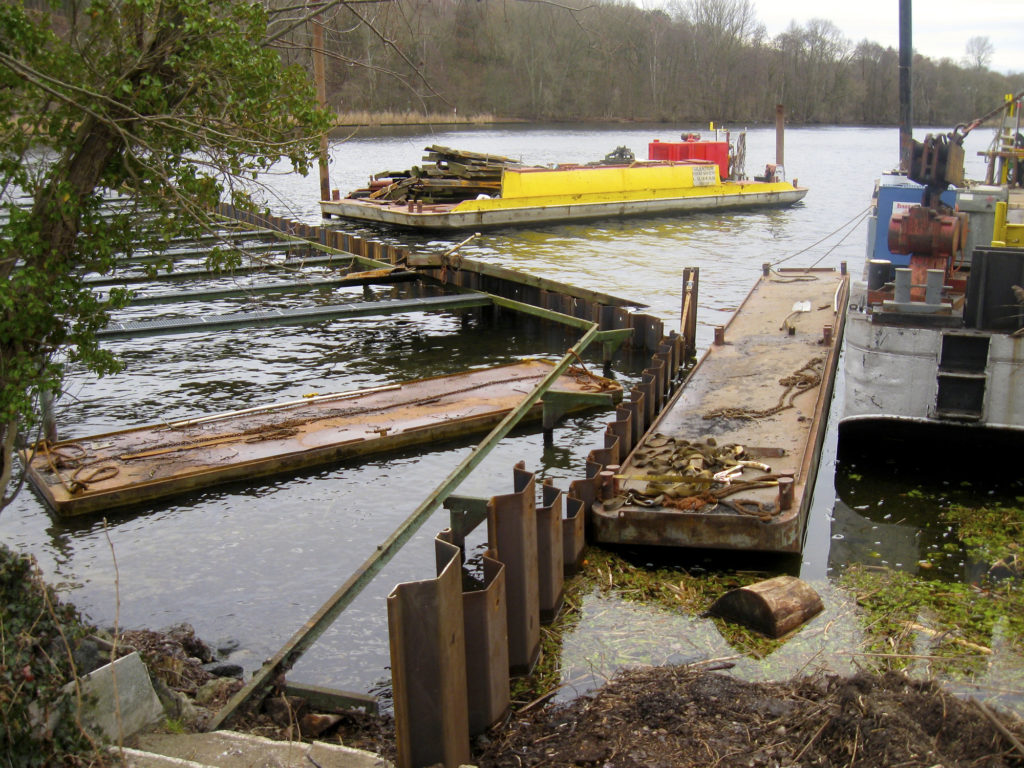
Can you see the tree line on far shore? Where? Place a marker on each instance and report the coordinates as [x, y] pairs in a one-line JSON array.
[[689, 61]]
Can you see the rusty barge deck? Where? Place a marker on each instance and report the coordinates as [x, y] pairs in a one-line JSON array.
[[127, 467], [744, 431]]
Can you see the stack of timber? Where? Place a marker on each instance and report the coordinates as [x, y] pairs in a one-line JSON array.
[[452, 175]]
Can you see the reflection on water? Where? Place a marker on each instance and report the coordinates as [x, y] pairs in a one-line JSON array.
[[858, 538], [252, 562], [892, 485]]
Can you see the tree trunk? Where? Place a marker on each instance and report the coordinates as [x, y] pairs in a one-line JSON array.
[[773, 607], [57, 213]]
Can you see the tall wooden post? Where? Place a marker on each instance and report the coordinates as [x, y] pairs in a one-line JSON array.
[[320, 76], [780, 135]]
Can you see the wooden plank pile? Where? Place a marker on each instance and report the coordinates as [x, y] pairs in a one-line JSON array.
[[447, 175]]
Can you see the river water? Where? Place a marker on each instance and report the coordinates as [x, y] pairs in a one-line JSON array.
[[248, 564]]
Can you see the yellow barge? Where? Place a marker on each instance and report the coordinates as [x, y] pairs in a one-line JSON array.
[[531, 195], [117, 469]]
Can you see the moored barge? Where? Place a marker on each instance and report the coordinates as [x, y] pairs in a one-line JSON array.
[[730, 464], [117, 469], [679, 177], [935, 329]]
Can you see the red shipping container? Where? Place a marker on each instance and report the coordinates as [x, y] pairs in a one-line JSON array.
[[676, 151]]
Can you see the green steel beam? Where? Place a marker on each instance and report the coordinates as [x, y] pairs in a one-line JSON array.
[[293, 316], [612, 339], [282, 287], [493, 270], [466, 513], [557, 404], [546, 314], [335, 259], [189, 253], [308, 634]]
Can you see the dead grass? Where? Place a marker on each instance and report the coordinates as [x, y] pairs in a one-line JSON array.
[[376, 119]]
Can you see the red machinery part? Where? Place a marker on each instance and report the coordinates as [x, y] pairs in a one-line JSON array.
[[923, 231]]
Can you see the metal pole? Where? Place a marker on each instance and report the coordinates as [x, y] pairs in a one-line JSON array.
[[906, 101], [49, 420], [308, 634]]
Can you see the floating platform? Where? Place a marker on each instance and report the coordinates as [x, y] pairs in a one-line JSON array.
[[117, 469], [529, 196], [731, 461]]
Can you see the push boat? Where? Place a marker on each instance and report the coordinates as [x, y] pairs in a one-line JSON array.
[[935, 327], [465, 190]]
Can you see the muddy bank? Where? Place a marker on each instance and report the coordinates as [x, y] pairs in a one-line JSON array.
[[662, 717], [672, 716], [678, 717], [682, 716]]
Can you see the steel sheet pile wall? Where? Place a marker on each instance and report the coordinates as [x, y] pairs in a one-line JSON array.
[[647, 329], [646, 400], [532, 548], [428, 662]]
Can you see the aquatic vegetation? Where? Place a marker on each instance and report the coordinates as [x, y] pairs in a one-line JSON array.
[[990, 533], [955, 626], [672, 588], [679, 592]]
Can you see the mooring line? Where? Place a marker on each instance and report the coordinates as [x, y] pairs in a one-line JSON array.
[[855, 221]]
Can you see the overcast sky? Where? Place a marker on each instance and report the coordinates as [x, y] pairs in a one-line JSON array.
[[941, 28]]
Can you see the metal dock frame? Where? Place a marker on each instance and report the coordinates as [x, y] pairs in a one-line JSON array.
[[666, 362], [301, 641], [441, 641]]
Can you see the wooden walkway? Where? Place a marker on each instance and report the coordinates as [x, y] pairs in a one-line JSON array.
[[146, 463], [748, 421]]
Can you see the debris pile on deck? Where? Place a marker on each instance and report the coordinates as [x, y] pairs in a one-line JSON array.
[[453, 175], [695, 476]]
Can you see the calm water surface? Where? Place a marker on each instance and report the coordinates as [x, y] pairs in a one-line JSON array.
[[251, 563]]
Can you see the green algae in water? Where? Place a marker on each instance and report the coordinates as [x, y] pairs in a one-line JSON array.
[[969, 633], [620, 615], [990, 533]]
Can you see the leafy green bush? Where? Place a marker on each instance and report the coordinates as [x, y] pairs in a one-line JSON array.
[[37, 635]]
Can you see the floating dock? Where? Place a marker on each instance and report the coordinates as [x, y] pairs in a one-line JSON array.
[[142, 464], [731, 461]]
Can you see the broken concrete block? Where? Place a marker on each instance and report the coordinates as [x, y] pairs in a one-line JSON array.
[[135, 699]]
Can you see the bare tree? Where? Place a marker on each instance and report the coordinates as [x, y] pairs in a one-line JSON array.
[[979, 52]]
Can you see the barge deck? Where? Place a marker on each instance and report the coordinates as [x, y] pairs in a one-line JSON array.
[[146, 463], [731, 461]]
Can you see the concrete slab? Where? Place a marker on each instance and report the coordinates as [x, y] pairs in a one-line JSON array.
[[230, 749], [124, 700]]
